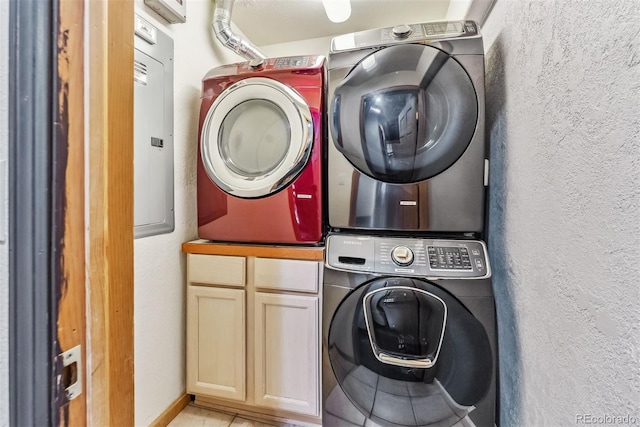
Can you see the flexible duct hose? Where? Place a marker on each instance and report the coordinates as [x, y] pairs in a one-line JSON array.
[[222, 28]]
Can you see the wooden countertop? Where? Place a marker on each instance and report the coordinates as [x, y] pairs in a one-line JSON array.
[[205, 247]]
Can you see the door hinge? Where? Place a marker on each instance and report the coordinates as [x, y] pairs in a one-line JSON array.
[[72, 370]]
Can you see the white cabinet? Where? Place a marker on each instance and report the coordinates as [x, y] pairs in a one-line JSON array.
[[253, 341], [286, 352], [216, 342]]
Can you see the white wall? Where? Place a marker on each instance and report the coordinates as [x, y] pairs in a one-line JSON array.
[[160, 273], [563, 83], [4, 204], [318, 46]]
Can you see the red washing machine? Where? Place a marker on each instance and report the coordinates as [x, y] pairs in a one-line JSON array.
[[260, 154]]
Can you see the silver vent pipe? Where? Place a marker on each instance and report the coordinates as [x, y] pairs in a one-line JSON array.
[[222, 28]]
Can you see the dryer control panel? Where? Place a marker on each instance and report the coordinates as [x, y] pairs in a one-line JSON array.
[[405, 33], [430, 258]]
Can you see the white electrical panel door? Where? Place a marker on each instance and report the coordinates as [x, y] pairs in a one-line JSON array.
[[149, 136], [153, 135]]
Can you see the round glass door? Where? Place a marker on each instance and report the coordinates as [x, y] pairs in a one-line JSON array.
[[256, 138], [407, 353], [404, 113]]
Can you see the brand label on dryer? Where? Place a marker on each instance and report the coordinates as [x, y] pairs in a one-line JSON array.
[[408, 203]]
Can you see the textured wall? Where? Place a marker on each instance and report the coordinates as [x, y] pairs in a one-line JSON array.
[[4, 203], [159, 267], [563, 82]]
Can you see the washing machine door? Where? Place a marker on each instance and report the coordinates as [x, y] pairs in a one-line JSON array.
[[256, 137], [404, 113], [407, 353]]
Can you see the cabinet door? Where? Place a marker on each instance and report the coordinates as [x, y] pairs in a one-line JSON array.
[[216, 342], [287, 352]]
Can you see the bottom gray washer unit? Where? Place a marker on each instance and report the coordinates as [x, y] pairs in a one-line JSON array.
[[409, 333]]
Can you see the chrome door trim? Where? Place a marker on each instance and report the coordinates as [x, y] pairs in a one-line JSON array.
[[396, 361], [301, 126]]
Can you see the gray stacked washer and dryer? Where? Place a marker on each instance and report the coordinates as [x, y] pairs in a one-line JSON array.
[[409, 334]]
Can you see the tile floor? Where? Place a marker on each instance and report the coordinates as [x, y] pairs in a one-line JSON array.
[[193, 416]]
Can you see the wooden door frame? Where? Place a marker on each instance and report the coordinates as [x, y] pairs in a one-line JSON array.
[[71, 320], [110, 213]]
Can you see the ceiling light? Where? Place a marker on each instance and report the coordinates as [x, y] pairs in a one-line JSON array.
[[337, 10]]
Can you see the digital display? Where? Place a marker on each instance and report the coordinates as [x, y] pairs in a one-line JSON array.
[[443, 28], [293, 61]]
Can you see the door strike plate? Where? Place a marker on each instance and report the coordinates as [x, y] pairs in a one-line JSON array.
[[72, 370]]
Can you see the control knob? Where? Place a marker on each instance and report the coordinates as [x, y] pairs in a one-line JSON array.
[[402, 256], [256, 63], [401, 31]]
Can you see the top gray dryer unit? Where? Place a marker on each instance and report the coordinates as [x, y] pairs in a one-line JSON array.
[[406, 117]]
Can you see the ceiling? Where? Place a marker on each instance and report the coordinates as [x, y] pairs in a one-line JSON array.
[[266, 22]]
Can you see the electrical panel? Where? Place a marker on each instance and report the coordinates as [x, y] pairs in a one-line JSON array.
[[153, 131]]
